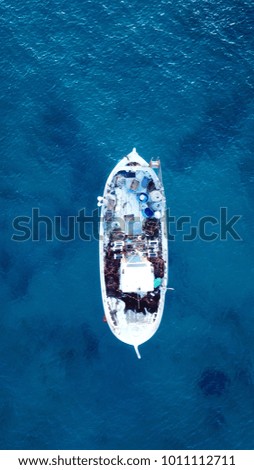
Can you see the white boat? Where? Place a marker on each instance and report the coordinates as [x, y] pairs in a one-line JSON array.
[[133, 249]]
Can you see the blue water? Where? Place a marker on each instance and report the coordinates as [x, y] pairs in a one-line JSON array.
[[82, 83]]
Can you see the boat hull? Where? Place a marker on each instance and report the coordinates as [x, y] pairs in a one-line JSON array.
[[133, 250]]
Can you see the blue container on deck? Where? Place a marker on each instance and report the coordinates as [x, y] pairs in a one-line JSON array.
[[142, 197], [148, 212], [145, 182]]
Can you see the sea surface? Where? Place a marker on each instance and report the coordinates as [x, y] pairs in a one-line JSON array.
[[82, 83]]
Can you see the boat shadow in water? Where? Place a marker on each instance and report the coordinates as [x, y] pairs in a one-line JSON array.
[[60, 124], [20, 281], [6, 416], [79, 345], [213, 382], [246, 169], [90, 342], [16, 274], [220, 123], [215, 420], [6, 262]]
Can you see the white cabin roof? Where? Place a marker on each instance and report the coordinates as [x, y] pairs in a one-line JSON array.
[[136, 275]]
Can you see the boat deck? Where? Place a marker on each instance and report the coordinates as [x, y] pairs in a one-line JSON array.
[[134, 266]]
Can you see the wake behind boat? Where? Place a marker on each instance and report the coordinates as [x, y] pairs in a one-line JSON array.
[[133, 249]]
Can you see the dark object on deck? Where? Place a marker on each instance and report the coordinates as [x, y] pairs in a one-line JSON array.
[[151, 227], [151, 186], [127, 174]]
